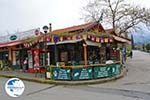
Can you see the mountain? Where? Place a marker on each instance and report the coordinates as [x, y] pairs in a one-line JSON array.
[[140, 38]]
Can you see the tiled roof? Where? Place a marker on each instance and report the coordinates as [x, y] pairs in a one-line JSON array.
[[111, 31], [108, 30], [76, 28], [11, 43]]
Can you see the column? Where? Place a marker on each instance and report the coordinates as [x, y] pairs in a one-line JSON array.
[[85, 53], [14, 57], [48, 58], [10, 54]]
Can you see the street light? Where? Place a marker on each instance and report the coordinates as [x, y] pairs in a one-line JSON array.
[[45, 29]]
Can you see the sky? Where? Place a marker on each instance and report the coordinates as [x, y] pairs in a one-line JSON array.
[[22, 15]]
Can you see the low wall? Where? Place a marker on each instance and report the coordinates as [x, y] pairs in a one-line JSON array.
[[88, 72]]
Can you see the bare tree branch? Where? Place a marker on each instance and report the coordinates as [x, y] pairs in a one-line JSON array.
[[122, 16]]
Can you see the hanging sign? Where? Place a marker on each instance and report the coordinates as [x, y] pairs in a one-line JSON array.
[[102, 40], [74, 37], [89, 36], [48, 39], [106, 40], [110, 39], [97, 39], [37, 32], [13, 37], [93, 38], [79, 36], [69, 37], [61, 38], [56, 39]]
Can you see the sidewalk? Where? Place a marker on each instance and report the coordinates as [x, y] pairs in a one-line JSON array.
[[23, 74], [31, 77], [40, 78]]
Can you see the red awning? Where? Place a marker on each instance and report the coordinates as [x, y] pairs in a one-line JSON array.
[[10, 44]]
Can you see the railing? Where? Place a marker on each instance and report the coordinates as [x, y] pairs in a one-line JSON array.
[[85, 72]]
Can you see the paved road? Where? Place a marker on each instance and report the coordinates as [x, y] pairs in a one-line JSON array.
[[138, 76], [134, 86]]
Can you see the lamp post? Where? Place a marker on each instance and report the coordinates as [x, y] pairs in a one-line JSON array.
[[45, 29]]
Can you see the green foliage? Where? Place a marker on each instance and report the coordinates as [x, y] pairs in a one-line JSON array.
[[96, 33], [148, 47], [101, 34]]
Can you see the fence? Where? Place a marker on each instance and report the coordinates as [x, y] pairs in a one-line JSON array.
[[89, 72]]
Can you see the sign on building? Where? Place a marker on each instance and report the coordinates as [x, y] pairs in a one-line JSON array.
[[20, 36]]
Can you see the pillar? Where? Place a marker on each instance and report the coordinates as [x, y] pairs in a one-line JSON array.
[[48, 59], [10, 54], [85, 54], [14, 57]]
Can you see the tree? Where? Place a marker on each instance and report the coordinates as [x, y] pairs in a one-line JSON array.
[[148, 47], [121, 15]]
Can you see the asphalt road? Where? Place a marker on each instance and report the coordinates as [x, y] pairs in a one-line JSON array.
[[134, 86]]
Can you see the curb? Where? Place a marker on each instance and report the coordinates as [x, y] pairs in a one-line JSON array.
[[86, 82]]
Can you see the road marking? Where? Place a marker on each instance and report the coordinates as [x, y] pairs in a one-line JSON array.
[[121, 92], [41, 90], [134, 83]]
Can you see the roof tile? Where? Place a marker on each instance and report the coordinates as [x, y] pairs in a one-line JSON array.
[[75, 28]]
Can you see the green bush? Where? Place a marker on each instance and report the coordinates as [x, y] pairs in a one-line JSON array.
[[148, 47]]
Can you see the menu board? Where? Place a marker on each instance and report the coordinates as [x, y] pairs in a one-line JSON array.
[[115, 69], [102, 71], [82, 73], [107, 71], [61, 73]]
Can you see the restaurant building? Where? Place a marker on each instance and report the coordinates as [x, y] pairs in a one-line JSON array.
[[12, 49], [87, 51], [81, 52]]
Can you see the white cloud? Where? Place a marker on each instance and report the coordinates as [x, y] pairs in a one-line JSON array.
[[27, 14]]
